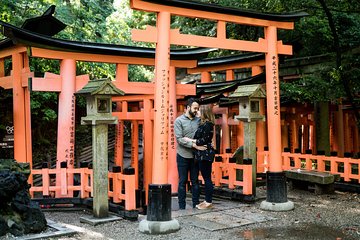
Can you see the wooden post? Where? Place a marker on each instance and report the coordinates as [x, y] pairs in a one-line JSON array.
[[293, 132], [2, 67], [284, 136], [347, 137], [356, 136], [122, 76], [340, 131], [19, 110], [322, 127], [27, 109], [119, 143], [305, 135], [135, 150], [205, 77], [225, 128], [225, 140]]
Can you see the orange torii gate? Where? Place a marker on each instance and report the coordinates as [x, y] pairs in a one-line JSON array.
[[163, 36], [30, 44]]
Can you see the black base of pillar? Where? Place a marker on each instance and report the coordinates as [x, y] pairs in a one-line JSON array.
[[276, 187], [159, 204]]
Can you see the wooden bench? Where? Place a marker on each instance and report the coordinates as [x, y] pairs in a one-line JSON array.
[[323, 181]]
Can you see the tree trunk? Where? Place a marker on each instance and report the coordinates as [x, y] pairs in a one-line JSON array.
[[322, 128]]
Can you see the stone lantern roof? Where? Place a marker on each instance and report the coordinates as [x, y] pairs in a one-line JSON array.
[[249, 91], [100, 87]]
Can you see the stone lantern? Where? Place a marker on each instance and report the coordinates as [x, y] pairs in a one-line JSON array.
[[249, 97], [98, 101], [99, 114]]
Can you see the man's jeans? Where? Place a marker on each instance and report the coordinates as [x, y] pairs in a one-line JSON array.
[[184, 166]]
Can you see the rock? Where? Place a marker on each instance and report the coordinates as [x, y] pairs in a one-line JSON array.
[[3, 227], [9, 186], [21, 201], [18, 215], [34, 219], [15, 228]]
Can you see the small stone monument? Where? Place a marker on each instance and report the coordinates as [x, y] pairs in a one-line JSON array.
[[99, 114], [249, 97]]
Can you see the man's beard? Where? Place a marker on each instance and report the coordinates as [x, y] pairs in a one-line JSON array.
[[192, 114]]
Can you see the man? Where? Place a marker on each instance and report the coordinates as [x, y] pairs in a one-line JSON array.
[[186, 126]]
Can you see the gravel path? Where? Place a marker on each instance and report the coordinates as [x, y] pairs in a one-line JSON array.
[[335, 216], [314, 217]]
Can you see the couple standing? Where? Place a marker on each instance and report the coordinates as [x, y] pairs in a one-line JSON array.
[[195, 152]]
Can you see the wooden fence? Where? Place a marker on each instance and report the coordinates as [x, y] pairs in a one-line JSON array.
[[121, 186], [227, 172], [348, 168]]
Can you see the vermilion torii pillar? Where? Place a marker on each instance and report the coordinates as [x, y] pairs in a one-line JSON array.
[[66, 120], [276, 198], [162, 75], [158, 218], [19, 109]]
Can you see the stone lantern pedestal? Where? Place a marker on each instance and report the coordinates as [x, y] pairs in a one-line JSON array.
[[249, 97]]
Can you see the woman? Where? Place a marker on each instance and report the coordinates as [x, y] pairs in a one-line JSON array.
[[203, 137]]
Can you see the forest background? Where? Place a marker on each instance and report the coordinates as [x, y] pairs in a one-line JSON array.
[[332, 29]]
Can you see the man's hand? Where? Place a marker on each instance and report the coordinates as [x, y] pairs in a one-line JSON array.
[[200, 148], [189, 139]]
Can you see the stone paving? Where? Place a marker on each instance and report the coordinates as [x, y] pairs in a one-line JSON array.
[[223, 215], [54, 230]]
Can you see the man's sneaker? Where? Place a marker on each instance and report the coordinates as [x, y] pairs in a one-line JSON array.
[[204, 205]]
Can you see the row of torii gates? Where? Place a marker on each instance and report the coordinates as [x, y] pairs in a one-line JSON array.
[[155, 104]]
